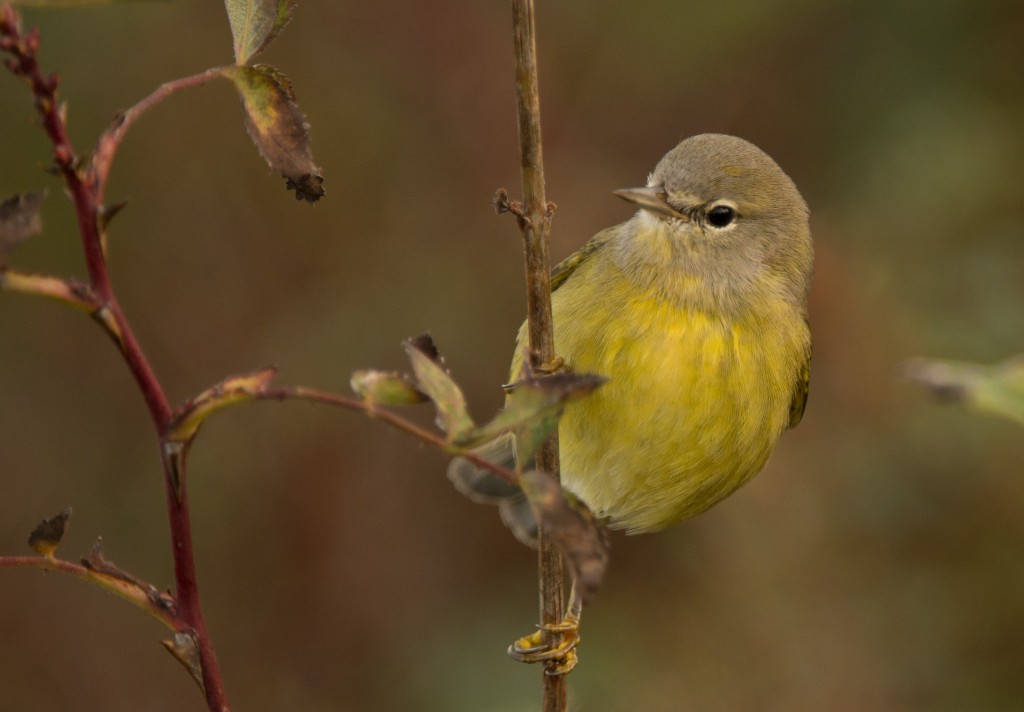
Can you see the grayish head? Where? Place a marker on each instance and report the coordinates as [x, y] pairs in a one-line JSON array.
[[730, 215]]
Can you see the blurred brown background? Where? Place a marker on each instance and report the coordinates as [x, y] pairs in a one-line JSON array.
[[877, 563]]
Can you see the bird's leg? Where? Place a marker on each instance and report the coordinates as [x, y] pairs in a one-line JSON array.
[[553, 644]]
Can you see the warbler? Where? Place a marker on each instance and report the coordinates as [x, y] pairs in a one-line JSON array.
[[695, 309]]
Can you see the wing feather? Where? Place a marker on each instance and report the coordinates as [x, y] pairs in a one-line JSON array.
[[564, 269], [800, 389]]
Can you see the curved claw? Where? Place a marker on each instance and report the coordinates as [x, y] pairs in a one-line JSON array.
[[559, 655]]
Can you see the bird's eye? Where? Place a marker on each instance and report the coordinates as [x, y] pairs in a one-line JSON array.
[[721, 216]]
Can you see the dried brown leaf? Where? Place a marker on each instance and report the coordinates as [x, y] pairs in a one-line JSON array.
[[581, 541], [278, 127], [47, 535], [20, 219], [185, 650]]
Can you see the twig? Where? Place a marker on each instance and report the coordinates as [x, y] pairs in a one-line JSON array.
[[111, 138], [146, 597], [74, 294], [316, 395], [535, 223]]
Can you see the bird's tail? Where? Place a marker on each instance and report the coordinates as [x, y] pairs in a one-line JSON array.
[[482, 485]]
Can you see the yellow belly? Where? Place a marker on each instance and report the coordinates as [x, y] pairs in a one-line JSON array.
[[694, 404]]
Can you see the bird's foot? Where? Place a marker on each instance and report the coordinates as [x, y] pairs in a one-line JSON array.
[[554, 645], [550, 368]]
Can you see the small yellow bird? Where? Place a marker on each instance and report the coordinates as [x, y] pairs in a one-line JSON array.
[[695, 309]]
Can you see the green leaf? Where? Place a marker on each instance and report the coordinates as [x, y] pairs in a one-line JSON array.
[[235, 389], [533, 408], [47, 535], [19, 219], [69, 291], [432, 379], [997, 389], [573, 530], [278, 128], [386, 387], [254, 23]]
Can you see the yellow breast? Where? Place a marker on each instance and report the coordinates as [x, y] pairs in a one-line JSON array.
[[694, 405]]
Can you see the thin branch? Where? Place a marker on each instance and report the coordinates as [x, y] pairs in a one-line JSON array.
[[74, 294], [186, 585], [143, 596], [112, 137], [316, 395], [535, 224]]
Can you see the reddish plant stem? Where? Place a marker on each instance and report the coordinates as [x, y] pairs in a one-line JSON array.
[[316, 395], [111, 138], [84, 186], [187, 588], [131, 590]]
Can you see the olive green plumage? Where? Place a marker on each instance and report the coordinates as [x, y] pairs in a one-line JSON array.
[[696, 311]]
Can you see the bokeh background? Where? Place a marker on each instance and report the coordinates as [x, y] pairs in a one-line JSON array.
[[878, 561]]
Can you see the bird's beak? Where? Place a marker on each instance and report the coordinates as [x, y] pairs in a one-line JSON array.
[[652, 199]]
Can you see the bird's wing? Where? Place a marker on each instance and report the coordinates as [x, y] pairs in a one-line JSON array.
[[796, 408], [564, 269]]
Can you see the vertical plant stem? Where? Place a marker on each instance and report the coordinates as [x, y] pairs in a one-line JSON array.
[[84, 195], [536, 228], [84, 185], [186, 588]]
